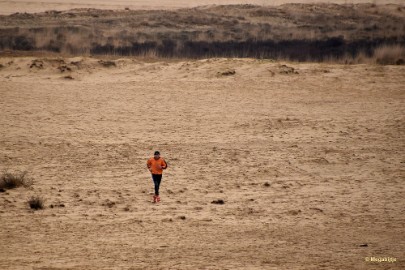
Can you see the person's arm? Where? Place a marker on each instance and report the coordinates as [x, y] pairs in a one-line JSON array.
[[164, 164], [149, 165]]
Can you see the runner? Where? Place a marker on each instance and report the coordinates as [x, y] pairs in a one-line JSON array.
[[156, 165]]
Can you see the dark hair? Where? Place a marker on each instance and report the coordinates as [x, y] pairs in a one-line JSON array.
[[157, 153]]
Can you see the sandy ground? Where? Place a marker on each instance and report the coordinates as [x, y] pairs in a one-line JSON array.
[[12, 6], [308, 158]]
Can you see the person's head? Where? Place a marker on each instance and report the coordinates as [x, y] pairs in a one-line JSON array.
[[156, 155]]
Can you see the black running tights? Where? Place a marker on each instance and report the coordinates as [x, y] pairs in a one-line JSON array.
[[157, 178]]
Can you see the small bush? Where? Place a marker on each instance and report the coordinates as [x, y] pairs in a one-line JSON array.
[[107, 63], [36, 203], [228, 72], [219, 201], [14, 180]]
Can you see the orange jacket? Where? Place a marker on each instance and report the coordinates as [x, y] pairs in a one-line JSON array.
[[156, 166]]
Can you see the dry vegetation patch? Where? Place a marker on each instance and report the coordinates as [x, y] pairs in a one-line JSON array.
[[303, 32], [10, 180], [36, 203], [390, 55]]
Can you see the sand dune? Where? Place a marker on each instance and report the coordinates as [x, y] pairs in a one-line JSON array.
[[9, 7], [308, 159]]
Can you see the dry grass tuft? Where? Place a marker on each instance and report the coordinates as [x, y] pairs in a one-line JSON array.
[[14, 180]]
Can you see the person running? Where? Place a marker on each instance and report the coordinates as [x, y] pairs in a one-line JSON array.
[[156, 165]]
